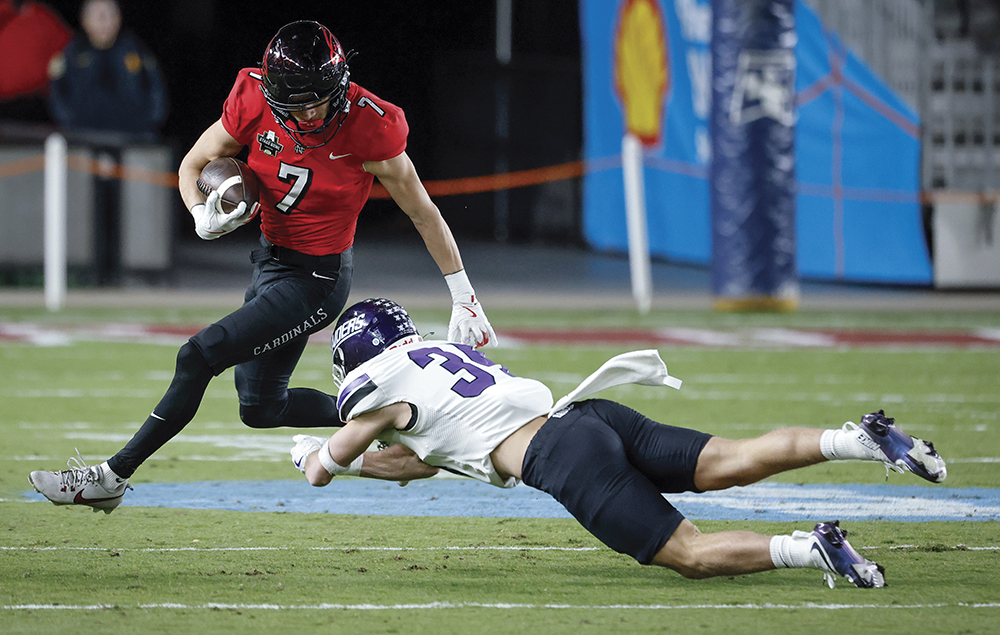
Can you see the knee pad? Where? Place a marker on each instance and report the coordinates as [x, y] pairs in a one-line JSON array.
[[191, 363], [260, 416]]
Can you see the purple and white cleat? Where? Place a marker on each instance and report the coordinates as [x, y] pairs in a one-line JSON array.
[[898, 450], [836, 556]]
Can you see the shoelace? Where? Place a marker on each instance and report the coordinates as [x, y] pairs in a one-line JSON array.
[[79, 473], [830, 580]]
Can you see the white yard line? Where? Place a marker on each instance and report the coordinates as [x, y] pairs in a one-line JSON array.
[[348, 549], [492, 605]]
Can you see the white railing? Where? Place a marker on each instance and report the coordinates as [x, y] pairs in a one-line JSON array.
[[952, 84]]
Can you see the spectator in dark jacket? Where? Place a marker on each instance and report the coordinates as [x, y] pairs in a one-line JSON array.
[[105, 79]]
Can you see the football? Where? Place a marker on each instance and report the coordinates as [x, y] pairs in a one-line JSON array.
[[233, 179]]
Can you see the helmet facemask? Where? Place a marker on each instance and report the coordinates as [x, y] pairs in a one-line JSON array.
[[367, 329], [305, 67], [339, 366]]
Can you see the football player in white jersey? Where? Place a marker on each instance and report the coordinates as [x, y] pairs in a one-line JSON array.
[[607, 464]]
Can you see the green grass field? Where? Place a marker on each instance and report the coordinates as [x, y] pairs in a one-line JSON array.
[[178, 571]]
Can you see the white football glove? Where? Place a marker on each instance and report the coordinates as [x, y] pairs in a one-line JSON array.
[[210, 221], [304, 446], [468, 323]]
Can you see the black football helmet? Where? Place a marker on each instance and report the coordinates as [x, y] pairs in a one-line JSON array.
[[365, 330], [305, 66]]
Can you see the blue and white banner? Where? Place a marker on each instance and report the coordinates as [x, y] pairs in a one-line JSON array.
[[647, 71], [752, 175]]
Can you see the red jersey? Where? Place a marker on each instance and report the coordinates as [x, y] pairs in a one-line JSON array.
[[310, 198]]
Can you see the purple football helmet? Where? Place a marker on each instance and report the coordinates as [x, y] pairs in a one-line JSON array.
[[366, 329]]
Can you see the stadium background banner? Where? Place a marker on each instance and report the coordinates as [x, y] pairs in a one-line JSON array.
[[856, 143], [752, 173]]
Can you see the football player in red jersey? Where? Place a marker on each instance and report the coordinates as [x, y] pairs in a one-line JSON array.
[[316, 142]]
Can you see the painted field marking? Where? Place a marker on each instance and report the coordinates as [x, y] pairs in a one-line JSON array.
[[348, 549], [174, 335], [345, 549], [236, 458], [461, 497], [493, 605], [690, 392]]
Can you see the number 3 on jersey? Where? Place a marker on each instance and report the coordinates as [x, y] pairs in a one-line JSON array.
[[475, 365], [299, 178]]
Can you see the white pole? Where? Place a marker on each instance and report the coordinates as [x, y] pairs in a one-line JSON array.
[[504, 30], [635, 217], [55, 221]]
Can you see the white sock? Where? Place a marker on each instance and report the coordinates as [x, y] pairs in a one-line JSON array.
[[793, 552], [842, 445], [108, 476]]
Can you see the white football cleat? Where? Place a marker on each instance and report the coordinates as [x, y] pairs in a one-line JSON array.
[[82, 484]]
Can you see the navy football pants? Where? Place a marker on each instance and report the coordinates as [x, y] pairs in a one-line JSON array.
[[609, 466]]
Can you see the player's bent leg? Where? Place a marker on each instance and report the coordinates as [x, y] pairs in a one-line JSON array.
[[174, 411], [727, 463], [262, 379], [267, 402], [696, 556], [101, 487]]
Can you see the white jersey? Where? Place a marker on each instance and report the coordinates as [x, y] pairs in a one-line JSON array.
[[464, 404]]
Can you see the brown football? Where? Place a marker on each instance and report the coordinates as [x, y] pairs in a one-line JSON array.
[[233, 179]]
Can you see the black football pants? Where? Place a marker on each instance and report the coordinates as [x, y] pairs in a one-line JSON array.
[[264, 339]]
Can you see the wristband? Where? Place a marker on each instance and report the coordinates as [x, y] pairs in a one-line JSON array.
[[336, 469], [459, 285]]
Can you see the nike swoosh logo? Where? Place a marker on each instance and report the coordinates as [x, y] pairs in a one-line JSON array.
[[824, 556], [334, 157], [470, 311], [316, 275], [80, 500]]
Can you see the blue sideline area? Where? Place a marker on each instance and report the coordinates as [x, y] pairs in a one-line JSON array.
[[455, 497]]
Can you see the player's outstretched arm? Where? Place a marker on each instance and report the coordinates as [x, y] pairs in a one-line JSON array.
[[344, 452], [400, 179], [396, 463], [468, 324]]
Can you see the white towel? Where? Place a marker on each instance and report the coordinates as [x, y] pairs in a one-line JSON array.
[[637, 367]]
